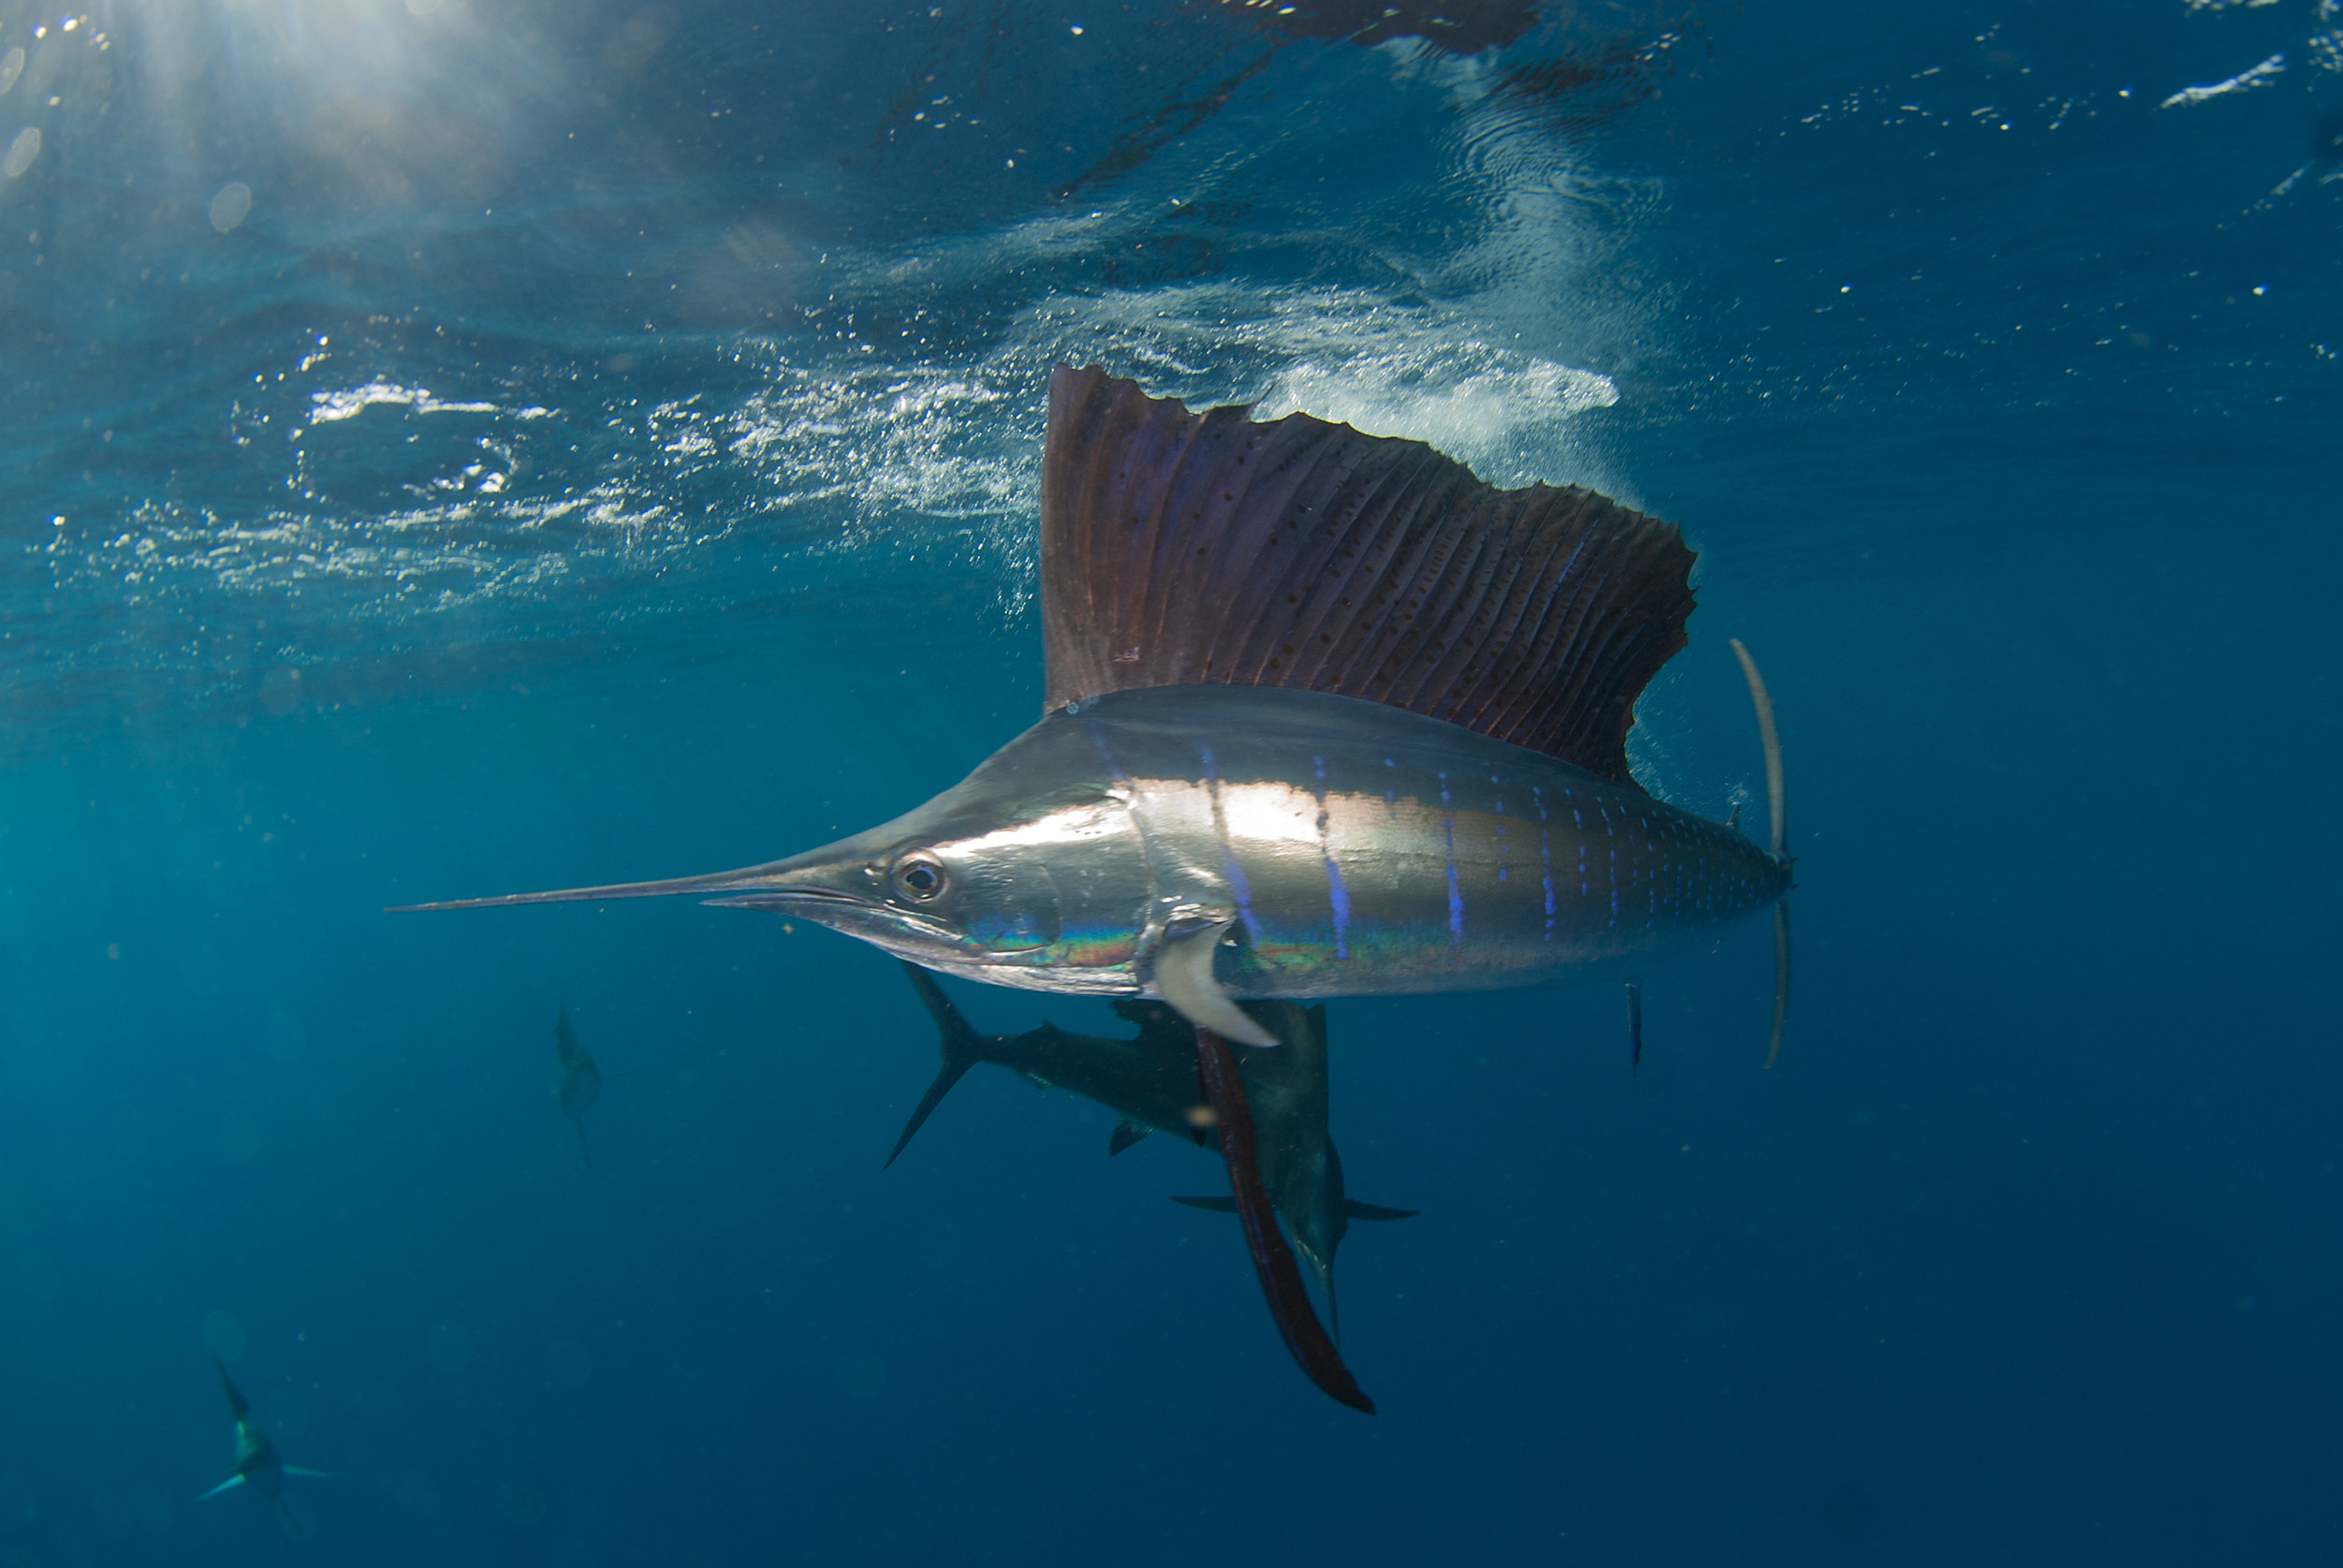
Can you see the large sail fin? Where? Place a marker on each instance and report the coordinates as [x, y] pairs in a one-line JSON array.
[[1185, 548]]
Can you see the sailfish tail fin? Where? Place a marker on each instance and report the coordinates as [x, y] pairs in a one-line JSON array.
[[962, 1046], [235, 1395], [1777, 810]]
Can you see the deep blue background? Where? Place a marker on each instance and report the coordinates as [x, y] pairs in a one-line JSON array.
[[2009, 439]]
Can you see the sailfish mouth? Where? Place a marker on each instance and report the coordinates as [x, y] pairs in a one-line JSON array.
[[785, 898]]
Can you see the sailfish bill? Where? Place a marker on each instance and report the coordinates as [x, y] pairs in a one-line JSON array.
[[715, 885]]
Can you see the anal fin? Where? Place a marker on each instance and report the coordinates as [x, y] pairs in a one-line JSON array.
[[1127, 1132]]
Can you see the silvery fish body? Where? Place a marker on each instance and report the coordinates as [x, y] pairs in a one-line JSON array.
[[1358, 848]]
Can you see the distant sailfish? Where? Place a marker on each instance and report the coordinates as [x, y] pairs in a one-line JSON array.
[[1150, 1081], [258, 1466], [581, 1080], [1325, 715]]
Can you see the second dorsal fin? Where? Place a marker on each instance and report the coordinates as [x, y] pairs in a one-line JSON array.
[[1182, 548]]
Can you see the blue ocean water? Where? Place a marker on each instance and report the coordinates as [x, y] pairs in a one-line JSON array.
[[457, 447]]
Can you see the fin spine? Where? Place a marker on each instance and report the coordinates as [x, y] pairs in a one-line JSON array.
[[1771, 739]]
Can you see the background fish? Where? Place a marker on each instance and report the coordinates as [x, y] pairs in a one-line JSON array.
[[581, 1080], [259, 1468], [1149, 1081]]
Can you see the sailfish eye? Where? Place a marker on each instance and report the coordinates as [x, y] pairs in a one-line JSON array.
[[919, 876]]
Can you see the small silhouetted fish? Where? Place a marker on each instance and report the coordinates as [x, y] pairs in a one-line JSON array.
[[581, 1080], [258, 1469]]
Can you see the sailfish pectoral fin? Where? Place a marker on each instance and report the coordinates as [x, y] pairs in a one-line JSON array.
[[1183, 972], [230, 1484], [1272, 1259]]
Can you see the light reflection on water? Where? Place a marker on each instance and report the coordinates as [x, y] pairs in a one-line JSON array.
[[610, 394]]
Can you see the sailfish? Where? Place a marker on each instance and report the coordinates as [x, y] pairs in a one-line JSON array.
[[258, 1466], [1149, 1081], [1325, 715]]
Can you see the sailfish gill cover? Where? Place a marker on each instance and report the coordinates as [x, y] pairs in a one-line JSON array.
[[456, 448]]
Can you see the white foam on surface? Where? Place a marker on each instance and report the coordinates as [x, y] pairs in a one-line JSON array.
[[348, 403], [2263, 74]]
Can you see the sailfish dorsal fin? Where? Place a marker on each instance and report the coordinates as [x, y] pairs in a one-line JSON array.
[[1182, 548]]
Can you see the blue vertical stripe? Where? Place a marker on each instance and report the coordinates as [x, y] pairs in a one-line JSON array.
[[1338, 896], [1229, 867], [1545, 860], [1456, 894]]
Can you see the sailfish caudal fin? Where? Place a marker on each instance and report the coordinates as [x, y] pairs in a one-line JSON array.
[[962, 1046], [1777, 810], [1191, 548], [236, 1402]]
